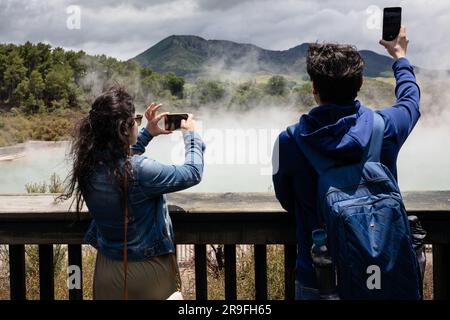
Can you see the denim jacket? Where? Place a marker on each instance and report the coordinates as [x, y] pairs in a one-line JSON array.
[[150, 230]]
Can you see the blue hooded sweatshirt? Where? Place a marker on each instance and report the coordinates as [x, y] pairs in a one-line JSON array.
[[341, 133]]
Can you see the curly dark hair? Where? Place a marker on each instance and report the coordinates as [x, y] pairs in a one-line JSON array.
[[102, 135], [336, 71]]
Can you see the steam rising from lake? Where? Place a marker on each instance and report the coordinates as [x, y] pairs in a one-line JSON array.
[[240, 143], [231, 164]]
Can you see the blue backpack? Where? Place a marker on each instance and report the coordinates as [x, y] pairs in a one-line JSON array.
[[369, 238]]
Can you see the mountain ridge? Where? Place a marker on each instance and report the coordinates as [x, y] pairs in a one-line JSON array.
[[189, 55]]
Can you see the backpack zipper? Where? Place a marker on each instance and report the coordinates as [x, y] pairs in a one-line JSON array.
[[334, 189]]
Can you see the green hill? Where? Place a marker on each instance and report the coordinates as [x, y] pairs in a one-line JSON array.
[[192, 55]]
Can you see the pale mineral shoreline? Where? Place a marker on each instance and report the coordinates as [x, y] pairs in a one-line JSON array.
[[17, 151]]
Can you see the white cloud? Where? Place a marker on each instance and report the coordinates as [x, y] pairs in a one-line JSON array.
[[125, 28]]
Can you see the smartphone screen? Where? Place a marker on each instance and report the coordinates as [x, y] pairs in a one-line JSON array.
[[392, 19], [173, 120]]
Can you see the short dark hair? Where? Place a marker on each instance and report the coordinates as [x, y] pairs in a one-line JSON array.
[[336, 70]]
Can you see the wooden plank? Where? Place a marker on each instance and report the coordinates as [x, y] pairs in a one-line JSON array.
[[39, 232], [235, 212], [236, 228], [17, 272], [75, 259], [230, 272], [201, 228], [441, 275], [28, 205], [260, 272], [201, 286], [21, 205], [46, 275], [290, 255], [189, 229]]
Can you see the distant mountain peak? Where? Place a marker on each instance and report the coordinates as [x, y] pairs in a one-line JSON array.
[[188, 55]]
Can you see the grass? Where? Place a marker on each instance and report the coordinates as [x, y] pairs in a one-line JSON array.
[[19, 127], [55, 185], [245, 275]]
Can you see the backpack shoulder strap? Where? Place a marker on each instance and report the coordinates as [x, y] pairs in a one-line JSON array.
[[376, 140], [319, 162]]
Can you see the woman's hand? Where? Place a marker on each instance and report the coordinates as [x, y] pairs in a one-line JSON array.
[[188, 124], [153, 118]]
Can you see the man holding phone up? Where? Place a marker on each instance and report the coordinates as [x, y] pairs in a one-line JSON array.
[[339, 128]]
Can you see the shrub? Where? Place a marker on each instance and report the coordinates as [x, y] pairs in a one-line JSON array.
[[276, 86]]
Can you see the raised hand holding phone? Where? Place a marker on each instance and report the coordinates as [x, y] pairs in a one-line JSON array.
[[189, 124], [397, 47], [153, 118], [394, 34]]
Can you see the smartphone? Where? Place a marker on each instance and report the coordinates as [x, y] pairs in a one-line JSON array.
[[392, 19], [172, 121]]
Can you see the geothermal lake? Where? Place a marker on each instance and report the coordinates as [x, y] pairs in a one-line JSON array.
[[238, 156]]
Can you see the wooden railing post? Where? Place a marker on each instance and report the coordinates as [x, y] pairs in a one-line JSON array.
[[17, 272], [201, 285], [260, 272], [46, 277], [230, 272], [290, 255], [441, 271]]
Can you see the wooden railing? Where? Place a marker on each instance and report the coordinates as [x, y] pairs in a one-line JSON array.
[[199, 219]]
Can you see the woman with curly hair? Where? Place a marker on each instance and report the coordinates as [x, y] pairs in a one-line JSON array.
[[125, 194]]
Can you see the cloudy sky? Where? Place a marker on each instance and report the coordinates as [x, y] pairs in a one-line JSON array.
[[123, 29]]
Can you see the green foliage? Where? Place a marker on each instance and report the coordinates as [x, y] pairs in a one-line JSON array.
[[376, 93], [53, 186], [247, 94], [174, 84], [208, 91], [160, 86], [36, 187], [303, 95], [43, 88], [35, 78], [276, 86], [13, 73], [19, 126], [30, 91]]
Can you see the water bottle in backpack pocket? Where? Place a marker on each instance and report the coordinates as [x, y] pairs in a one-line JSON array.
[[418, 235], [323, 265]]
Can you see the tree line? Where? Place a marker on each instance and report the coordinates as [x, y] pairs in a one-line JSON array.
[[38, 78]]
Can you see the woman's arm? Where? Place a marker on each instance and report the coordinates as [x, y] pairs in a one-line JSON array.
[[143, 139], [156, 178]]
